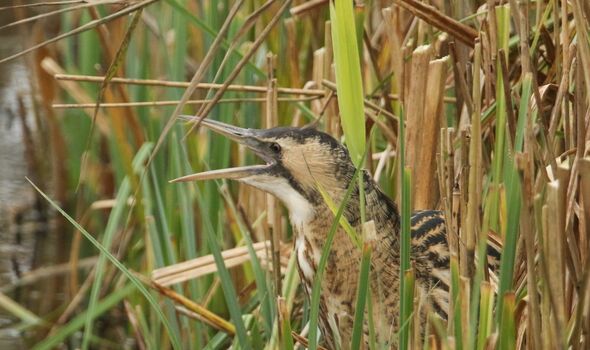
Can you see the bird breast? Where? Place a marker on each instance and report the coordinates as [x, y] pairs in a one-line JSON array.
[[339, 280]]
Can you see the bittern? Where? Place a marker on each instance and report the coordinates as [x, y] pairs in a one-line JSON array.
[[299, 161]]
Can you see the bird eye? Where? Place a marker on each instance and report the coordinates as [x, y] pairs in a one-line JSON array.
[[275, 147]]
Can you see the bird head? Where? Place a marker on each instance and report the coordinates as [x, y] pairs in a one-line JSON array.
[[297, 162]]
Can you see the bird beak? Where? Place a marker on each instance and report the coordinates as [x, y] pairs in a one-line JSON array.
[[247, 137]]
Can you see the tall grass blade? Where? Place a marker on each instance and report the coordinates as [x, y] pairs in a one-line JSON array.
[[455, 312], [507, 325], [406, 302], [348, 77], [503, 25], [486, 305], [352, 234], [361, 297], [514, 198], [284, 318]]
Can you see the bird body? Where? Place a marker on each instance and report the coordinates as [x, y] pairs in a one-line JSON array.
[[300, 162], [430, 258]]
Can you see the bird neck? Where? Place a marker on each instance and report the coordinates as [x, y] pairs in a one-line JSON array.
[[316, 215], [378, 207]]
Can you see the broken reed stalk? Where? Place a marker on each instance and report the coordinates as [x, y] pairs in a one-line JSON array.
[[465, 267], [285, 332], [318, 69], [426, 189], [446, 178], [581, 314], [295, 75], [527, 226], [472, 222], [465, 308], [554, 253], [203, 265], [581, 23], [414, 108], [332, 119], [200, 311], [584, 165], [392, 21]]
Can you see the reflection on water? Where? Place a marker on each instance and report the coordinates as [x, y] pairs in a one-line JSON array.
[[13, 83], [16, 196]]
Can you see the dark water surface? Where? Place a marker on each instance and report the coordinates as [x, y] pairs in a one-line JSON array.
[[19, 214]]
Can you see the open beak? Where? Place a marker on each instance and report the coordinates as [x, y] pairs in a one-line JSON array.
[[247, 137]]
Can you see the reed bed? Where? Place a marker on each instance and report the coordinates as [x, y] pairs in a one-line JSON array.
[[478, 108]]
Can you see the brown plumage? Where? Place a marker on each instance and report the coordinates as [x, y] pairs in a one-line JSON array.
[[298, 163]]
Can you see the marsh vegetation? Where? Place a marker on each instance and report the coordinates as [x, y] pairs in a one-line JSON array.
[[478, 108]]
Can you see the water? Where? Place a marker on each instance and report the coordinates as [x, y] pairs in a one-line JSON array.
[[14, 82], [17, 200]]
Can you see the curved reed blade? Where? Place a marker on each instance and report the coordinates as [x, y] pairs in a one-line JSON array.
[[111, 71]]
